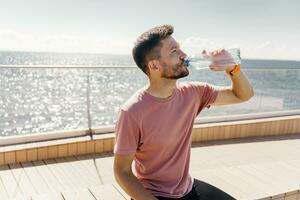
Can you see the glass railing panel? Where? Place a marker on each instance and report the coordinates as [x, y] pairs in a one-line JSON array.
[[275, 90], [110, 88], [35, 100]]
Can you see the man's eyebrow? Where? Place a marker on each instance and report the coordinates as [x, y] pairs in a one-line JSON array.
[[175, 46]]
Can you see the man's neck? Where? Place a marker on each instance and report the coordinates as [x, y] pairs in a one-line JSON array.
[[162, 89]]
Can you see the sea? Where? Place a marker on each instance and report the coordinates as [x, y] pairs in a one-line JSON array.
[[46, 92]]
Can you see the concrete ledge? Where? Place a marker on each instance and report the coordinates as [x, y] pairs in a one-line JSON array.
[[84, 144]]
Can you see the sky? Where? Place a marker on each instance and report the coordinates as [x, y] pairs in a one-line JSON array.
[[264, 29]]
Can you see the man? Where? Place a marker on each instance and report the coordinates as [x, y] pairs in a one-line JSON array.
[[153, 129]]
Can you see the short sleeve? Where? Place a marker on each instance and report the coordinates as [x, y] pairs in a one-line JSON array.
[[206, 93], [127, 134]]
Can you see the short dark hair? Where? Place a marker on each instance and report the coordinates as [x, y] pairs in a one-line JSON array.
[[148, 45]]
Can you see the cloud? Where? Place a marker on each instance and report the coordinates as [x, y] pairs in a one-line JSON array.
[[63, 42], [265, 49], [264, 45], [70, 42], [195, 44]]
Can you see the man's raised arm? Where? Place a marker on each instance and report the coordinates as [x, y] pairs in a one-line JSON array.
[[240, 91]]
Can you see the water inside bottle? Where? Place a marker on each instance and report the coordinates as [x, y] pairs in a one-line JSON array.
[[198, 62]]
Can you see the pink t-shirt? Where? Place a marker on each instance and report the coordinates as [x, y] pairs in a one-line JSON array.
[[158, 132]]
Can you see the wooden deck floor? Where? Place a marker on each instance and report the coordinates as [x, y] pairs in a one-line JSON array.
[[244, 168]]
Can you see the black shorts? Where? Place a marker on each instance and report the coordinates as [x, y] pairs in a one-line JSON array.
[[202, 191]]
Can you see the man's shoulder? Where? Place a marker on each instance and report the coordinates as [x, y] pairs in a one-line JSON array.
[[134, 102], [191, 84]]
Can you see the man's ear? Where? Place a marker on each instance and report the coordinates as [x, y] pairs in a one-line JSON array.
[[153, 66]]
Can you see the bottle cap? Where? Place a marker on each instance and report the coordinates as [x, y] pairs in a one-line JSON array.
[[186, 62]]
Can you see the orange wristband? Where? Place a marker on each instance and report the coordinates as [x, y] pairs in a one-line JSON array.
[[235, 70]]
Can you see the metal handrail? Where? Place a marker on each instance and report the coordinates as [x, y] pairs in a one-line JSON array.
[[36, 137], [80, 66], [68, 66]]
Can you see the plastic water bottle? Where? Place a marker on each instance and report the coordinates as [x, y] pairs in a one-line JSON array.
[[199, 61]]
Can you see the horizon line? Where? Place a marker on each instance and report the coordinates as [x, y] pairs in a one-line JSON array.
[[123, 54]]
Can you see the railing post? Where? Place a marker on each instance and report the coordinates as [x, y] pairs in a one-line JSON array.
[[88, 104]]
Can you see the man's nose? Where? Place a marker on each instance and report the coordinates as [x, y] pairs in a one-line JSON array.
[[183, 55]]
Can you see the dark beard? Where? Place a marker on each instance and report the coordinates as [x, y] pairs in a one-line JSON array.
[[170, 74]]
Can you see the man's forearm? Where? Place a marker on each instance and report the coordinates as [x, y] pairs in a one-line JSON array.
[[133, 187], [241, 86]]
